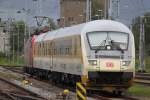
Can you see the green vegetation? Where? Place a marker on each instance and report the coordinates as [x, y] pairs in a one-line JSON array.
[[18, 33], [136, 32], [9, 61], [147, 61], [10, 76], [139, 90], [147, 64]]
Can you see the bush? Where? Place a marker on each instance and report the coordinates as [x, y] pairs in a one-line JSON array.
[[2, 54]]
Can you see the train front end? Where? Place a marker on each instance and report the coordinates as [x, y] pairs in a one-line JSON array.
[[109, 56]]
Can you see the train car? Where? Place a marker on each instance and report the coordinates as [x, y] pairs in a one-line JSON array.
[[100, 54]]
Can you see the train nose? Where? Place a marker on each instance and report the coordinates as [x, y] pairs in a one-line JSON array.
[[110, 65]]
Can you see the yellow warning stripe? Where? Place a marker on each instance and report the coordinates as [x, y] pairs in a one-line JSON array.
[[80, 95], [81, 87]]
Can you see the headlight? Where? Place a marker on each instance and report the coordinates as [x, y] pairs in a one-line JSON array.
[[108, 47], [125, 63], [93, 62]]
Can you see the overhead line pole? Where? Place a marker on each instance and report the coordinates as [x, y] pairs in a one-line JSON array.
[[88, 10], [142, 46]]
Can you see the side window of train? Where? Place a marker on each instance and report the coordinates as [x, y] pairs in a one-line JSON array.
[[46, 48], [43, 51], [66, 51], [51, 48], [60, 51], [50, 51], [38, 49], [34, 49], [75, 45], [54, 51]]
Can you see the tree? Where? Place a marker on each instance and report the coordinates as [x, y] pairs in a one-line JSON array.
[[51, 24], [147, 32], [44, 25], [136, 31], [17, 35]]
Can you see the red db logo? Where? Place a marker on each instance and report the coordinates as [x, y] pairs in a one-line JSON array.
[[109, 64]]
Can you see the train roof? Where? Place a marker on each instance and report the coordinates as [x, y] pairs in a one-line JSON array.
[[97, 25]]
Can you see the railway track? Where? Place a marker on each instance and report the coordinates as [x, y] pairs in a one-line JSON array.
[[142, 78], [17, 69], [98, 97], [46, 86], [95, 96], [111, 96], [11, 91], [5, 95]]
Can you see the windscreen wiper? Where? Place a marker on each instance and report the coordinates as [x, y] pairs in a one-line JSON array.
[[103, 42], [113, 44]]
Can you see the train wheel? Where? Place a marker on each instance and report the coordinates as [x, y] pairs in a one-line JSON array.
[[89, 92], [117, 92]]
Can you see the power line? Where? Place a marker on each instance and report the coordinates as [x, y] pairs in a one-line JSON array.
[[144, 9]]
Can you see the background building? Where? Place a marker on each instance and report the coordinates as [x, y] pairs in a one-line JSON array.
[[4, 40], [72, 12]]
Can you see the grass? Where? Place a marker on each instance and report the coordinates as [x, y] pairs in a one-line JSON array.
[[147, 64], [139, 90], [9, 76], [8, 61], [147, 61]]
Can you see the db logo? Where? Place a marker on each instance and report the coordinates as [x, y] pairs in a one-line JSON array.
[[109, 64]]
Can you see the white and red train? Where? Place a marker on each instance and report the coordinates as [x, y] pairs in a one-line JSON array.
[[100, 54]]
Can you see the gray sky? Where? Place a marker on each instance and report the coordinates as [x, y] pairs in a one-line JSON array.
[[129, 9], [8, 8]]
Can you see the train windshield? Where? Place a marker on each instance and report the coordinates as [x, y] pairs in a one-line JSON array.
[[108, 40]]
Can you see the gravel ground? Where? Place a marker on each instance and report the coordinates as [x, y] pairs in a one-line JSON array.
[[53, 92]]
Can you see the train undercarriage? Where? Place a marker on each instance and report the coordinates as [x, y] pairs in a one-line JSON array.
[[115, 82]]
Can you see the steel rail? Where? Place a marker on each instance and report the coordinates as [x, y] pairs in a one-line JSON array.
[[21, 88]]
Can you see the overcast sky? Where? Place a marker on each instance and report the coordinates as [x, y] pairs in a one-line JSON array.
[[8, 8]]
